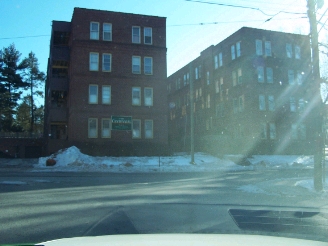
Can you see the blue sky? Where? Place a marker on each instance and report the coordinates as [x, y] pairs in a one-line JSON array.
[[186, 36]]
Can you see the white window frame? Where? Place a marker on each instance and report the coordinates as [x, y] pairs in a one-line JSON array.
[[234, 78], [136, 101], [259, 47], [235, 105], [91, 95], [136, 36], [262, 103], [94, 61], [299, 77], [260, 74], [217, 86], [239, 76], [289, 50], [208, 101], [292, 104], [297, 52], [208, 81], [269, 75], [106, 99], [149, 129], [138, 64], [220, 59], [148, 101], [107, 31], [106, 132], [267, 48], [94, 34], [264, 132], [271, 103], [90, 133], [241, 103], [272, 131], [148, 67], [136, 135], [238, 49], [147, 36], [103, 62], [233, 52], [196, 73], [216, 62], [291, 77]]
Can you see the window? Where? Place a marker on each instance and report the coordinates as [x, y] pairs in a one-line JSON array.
[[199, 71], [272, 130], [148, 129], [294, 131], [148, 35], [299, 77], [301, 105], [262, 106], [220, 60], [291, 77], [235, 105], [292, 104], [217, 86], [297, 52], [216, 62], [241, 104], [136, 34], [136, 64], [106, 94], [208, 78], [269, 74], [94, 30], [233, 53], [208, 101], [240, 76], [107, 32], [148, 65], [136, 96], [105, 128], [148, 96], [271, 103], [267, 46], [196, 72], [93, 128], [238, 49], [259, 48], [106, 62], [234, 78], [302, 131], [264, 131], [289, 50], [260, 74], [136, 129], [94, 60], [93, 94]]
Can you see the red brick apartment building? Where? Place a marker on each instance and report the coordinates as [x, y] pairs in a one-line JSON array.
[[252, 94], [106, 86]]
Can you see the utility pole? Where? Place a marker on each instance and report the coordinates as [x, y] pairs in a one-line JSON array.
[[192, 120], [318, 120]]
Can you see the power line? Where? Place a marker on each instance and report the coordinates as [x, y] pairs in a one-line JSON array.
[[36, 36], [246, 7]]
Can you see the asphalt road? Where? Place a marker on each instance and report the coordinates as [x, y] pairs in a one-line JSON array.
[[37, 207]]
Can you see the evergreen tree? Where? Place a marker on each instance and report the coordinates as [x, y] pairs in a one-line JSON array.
[[11, 85], [34, 78]]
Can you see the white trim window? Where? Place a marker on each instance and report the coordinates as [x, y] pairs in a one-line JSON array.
[[260, 74], [241, 103], [259, 49], [267, 47], [106, 94], [148, 96], [238, 49], [105, 128], [292, 104], [220, 59], [148, 35], [136, 128], [289, 50], [271, 103], [149, 133], [297, 52], [136, 64], [208, 81], [92, 128], [264, 134], [94, 30], [106, 62], [94, 61], [136, 34], [233, 52], [216, 62], [136, 96], [262, 105], [240, 76], [217, 86], [93, 94], [269, 75], [148, 65], [196, 72], [291, 77], [234, 78], [107, 31]]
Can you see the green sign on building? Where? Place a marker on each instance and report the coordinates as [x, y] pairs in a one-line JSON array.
[[122, 123]]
